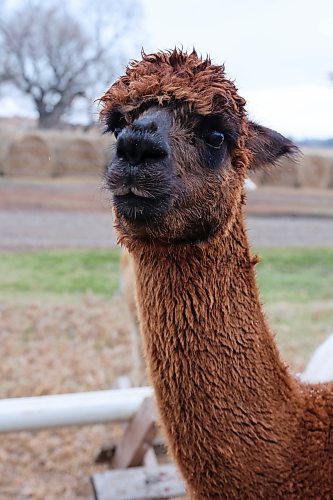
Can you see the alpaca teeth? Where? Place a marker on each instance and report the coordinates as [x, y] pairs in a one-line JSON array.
[[121, 191], [138, 192]]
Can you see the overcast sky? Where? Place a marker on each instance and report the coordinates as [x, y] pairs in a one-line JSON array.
[[279, 52]]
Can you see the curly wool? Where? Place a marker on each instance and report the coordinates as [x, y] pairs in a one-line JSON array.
[[177, 77], [171, 76]]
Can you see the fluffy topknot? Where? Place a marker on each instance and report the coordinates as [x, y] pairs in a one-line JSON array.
[[175, 76]]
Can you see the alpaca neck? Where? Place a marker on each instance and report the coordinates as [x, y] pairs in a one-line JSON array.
[[222, 391]]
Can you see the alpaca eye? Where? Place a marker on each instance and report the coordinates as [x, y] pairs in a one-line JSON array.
[[214, 138]]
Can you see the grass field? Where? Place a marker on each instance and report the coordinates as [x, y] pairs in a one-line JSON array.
[[295, 275], [58, 274]]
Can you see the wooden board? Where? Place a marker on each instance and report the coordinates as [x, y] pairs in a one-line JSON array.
[[137, 483], [137, 438]]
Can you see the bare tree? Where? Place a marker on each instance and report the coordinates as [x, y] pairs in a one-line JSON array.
[[52, 56]]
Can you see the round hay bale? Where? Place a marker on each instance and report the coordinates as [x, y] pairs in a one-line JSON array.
[[315, 171], [284, 174], [6, 139], [78, 155], [107, 144], [330, 180], [29, 155]]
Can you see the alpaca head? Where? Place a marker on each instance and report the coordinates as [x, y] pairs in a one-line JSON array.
[[183, 147]]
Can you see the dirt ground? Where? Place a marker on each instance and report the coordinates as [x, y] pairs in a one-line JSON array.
[[32, 229], [49, 348]]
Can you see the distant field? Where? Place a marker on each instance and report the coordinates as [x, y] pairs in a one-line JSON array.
[[295, 275], [56, 274]]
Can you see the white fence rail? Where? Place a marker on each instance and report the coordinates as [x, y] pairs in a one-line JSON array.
[[62, 410]]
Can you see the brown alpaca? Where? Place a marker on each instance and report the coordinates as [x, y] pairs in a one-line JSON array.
[[238, 424]]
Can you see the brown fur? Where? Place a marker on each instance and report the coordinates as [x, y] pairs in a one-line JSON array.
[[168, 76], [238, 424]]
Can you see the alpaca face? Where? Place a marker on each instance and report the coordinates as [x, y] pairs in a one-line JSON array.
[[171, 176], [184, 145]]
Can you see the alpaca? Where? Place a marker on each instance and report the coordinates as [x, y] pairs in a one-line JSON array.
[[237, 423]]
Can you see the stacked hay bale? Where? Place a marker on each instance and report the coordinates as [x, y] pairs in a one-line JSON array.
[[330, 181], [53, 153], [28, 155], [7, 137], [106, 144], [315, 172], [285, 174], [77, 154], [312, 170], [317, 169]]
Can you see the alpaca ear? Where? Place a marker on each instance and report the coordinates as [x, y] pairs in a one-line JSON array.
[[268, 146]]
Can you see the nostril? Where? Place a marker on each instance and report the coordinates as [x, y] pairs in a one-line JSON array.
[[128, 149], [138, 148]]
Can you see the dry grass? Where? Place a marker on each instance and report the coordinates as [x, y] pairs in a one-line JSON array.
[[62, 347], [57, 348], [300, 328]]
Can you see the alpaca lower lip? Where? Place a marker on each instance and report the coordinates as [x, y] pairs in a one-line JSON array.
[[140, 209]]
